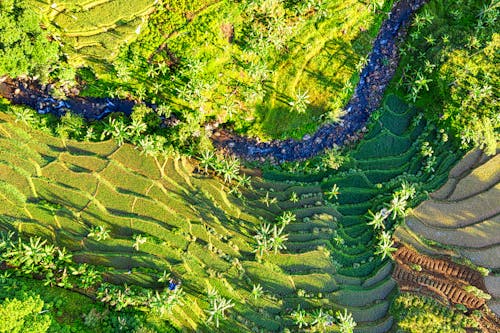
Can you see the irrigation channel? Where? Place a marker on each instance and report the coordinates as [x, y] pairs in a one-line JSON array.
[[374, 78]]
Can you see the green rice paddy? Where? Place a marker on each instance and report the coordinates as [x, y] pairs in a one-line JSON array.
[[61, 189]]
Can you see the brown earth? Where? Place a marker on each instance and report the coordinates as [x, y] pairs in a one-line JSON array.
[[443, 280]]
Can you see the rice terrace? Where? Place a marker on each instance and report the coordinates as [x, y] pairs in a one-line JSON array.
[[249, 166]]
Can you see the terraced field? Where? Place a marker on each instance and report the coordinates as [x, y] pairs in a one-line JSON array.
[[461, 219], [359, 279], [93, 30], [62, 189]]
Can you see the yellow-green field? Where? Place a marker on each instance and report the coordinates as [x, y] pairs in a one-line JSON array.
[[61, 189]]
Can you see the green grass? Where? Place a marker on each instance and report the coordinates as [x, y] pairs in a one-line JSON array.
[[278, 49], [93, 31]]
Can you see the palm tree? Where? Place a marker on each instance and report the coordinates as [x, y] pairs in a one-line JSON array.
[[257, 291], [407, 191], [333, 193], [217, 309], [320, 319], [299, 316], [376, 219], [397, 206], [230, 169], [136, 128], [24, 115], [90, 134], [99, 233], [108, 128], [346, 322], [300, 102], [385, 245], [164, 110], [120, 132], [268, 200], [207, 159], [263, 238], [294, 197], [139, 240], [278, 239], [165, 277], [286, 218], [164, 302], [148, 146]]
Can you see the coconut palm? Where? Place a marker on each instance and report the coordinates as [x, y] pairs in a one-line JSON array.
[[99, 233], [294, 197], [139, 240], [120, 132], [346, 322], [397, 206], [230, 169], [278, 239], [320, 319], [375, 5], [217, 309], [376, 219], [257, 291], [165, 277], [385, 244], [148, 146], [263, 238], [268, 200], [300, 102], [299, 317], [136, 128], [333, 193], [407, 191], [164, 110], [207, 159], [108, 129], [286, 218], [90, 135], [24, 115]]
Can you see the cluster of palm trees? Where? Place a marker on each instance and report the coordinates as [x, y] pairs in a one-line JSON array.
[[37, 258], [395, 209], [319, 320], [272, 237], [159, 302], [218, 307], [228, 168]]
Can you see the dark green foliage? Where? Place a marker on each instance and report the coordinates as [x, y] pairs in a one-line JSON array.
[[415, 312], [449, 66], [25, 48]]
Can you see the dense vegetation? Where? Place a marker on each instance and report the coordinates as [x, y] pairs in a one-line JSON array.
[[134, 223], [24, 45], [449, 68], [415, 312]]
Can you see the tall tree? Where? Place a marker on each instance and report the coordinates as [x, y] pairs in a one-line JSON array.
[[25, 48]]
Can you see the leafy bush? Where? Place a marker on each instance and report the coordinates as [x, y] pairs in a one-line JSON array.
[[413, 312], [25, 48], [23, 315]]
